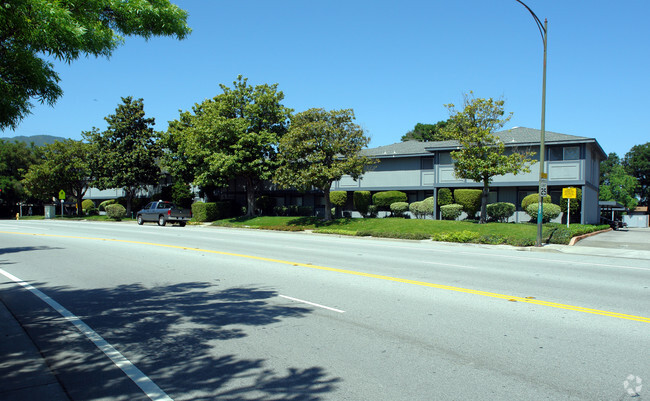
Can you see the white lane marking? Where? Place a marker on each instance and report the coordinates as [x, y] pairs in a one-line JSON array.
[[312, 304], [140, 379], [447, 264]]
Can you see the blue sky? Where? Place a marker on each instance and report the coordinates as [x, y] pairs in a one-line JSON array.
[[394, 63]]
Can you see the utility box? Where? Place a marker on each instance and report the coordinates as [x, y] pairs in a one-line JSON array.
[[50, 211]]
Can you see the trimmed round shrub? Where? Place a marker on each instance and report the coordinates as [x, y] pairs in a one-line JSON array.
[[445, 197], [87, 204], [533, 199], [500, 211], [338, 198], [451, 212], [399, 208], [416, 209], [549, 212], [384, 199], [373, 210], [361, 201], [470, 199], [116, 211], [102, 206]]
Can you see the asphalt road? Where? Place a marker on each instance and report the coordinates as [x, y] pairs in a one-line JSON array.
[[206, 313]]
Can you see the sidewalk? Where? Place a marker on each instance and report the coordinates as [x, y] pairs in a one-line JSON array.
[[25, 376]]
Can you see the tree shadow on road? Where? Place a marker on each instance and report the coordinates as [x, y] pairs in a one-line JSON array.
[[174, 333]]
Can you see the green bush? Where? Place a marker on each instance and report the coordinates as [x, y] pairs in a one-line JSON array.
[[181, 194], [212, 211], [399, 208], [338, 198], [470, 199], [417, 209], [373, 210], [445, 197], [116, 211], [384, 199], [102, 206], [549, 212], [500, 211], [361, 201], [533, 199], [87, 204], [457, 236], [451, 212]]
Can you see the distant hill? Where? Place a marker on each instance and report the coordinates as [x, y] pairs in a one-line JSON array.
[[39, 140]]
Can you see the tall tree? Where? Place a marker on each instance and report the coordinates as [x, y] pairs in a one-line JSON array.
[[64, 166], [15, 160], [482, 156], [125, 155], [617, 185], [233, 135], [426, 132], [637, 164], [320, 147], [31, 30]]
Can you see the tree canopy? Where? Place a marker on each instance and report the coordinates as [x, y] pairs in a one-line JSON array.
[[33, 32], [481, 155], [320, 147], [426, 132], [64, 166], [232, 136], [637, 164], [125, 155], [15, 159]]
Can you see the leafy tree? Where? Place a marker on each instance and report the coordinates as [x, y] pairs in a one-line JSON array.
[[31, 30], [64, 166], [15, 160], [426, 132], [320, 147], [232, 136], [125, 155], [637, 164], [481, 156], [619, 186], [607, 165]]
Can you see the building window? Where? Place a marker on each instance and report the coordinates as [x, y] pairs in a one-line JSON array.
[[572, 153], [445, 158], [564, 153], [426, 163]]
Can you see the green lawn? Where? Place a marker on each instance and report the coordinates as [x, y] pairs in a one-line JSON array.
[[522, 234]]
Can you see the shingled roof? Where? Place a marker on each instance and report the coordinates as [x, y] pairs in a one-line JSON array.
[[517, 136]]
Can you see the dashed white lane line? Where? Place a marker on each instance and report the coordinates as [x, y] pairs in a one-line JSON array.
[[140, 379], [312, 304]]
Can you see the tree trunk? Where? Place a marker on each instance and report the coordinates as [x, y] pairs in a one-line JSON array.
[[79, 193], [328, 205], [484, 200], [129, 192], [250, 198]]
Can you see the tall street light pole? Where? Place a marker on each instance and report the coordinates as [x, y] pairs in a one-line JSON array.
[[542, 174]]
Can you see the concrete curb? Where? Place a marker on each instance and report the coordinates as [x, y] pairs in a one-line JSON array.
[[579, 237]]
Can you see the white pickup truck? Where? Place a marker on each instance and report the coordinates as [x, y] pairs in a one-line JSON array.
[[163, 213]]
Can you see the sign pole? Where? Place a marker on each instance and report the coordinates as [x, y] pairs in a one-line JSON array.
[[568, 211]]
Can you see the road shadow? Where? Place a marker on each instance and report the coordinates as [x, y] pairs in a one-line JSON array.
[[25, 249], [173, 334]]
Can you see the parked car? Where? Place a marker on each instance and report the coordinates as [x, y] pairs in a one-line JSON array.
[[163, 212], [614, 224]]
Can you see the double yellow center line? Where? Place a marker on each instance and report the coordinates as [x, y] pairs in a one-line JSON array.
[[529, 300]]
